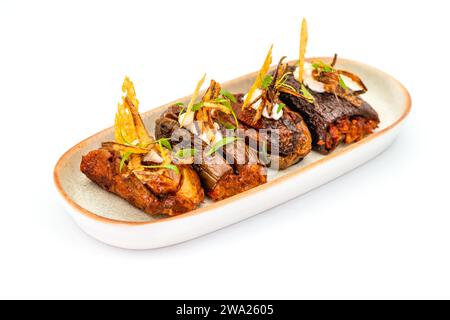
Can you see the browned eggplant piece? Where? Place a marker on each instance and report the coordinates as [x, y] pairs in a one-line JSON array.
[[276, 126], [139, 169], [333, 117], [287, 140], [333, 111], [223, 174], [102, 166]]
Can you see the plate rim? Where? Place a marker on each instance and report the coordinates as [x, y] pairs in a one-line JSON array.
[[74, 205]]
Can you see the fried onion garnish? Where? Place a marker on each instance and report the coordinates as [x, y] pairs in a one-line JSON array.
[[132, 138], [302, 52], [189, 110], [259, 79]]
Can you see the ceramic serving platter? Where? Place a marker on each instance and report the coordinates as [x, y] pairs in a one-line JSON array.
[[112, 220]]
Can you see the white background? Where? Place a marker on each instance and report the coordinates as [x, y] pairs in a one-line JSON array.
[[381, 231]]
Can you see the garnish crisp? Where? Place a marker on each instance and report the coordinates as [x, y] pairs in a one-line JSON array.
[[259, 79], [193, 98], [303, 43], [124, 129]]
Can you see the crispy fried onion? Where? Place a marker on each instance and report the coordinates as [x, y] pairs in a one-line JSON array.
[[302, 51], [189, 111], [333, 82], [270, 94], [132, 138], [204, 111], [259, 79]]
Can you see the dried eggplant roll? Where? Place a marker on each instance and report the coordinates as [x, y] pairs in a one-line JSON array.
[[276, 126], [139, 169], [334, 115], [225, 164]]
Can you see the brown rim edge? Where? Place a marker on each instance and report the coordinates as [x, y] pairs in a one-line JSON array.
[[215, 205]]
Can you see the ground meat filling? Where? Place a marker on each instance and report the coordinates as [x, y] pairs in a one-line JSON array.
[[348, 130]]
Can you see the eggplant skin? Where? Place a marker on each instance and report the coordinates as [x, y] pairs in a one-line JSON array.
[[326, 112], [219, 178], [102, 167]]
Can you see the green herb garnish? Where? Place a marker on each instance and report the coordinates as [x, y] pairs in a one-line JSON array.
[[280, 107], [164, 166], [125, 157], [308, 96], [165, 142], [322, 67], [188, 152], [223, 101], [342, 83], [228, 126], [197, 106], [267, 81], [219, 144], [228, 95], [179, 104], [226, 103]]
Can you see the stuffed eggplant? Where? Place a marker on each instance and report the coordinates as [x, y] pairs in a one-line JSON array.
[[266, 121], [141, 170], [334, 112], [224, 163]]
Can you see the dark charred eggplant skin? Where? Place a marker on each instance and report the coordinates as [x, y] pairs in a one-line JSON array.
[[327, 110], [289, 134]]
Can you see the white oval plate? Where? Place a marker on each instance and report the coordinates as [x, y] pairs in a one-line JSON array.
[[112, 220]]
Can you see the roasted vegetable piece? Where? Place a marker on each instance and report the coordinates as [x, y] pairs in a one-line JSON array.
[[140, 169], [102, 167], [333, 111], [332, 120], [287, 140], [266, 121], [224, 163]]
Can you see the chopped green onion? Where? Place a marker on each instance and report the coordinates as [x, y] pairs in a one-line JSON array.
[[219, 144], [280, 107], [125, 157], [308, 96], [342, 83], [228, 95], [321, 66], [197, 106], [267, 81], [165, 142], [227, 104]]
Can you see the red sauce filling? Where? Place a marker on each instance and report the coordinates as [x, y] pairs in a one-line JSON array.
[[348, 131]]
